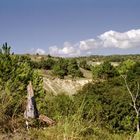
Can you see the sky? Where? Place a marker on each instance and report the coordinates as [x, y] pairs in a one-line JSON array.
[[71, 27]]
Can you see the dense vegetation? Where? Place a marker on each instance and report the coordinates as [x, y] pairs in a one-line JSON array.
[[15, 74], [102, 109]]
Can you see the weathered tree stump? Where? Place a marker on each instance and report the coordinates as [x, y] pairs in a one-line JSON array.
[[31, 111]]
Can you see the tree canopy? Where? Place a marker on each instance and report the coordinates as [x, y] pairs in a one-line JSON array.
[[104, 71]]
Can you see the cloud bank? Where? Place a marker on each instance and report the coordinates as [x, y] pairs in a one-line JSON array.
[[106, 41], [40, 51]]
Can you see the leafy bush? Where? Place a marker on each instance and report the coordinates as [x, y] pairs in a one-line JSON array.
[[73, 69], [60, 68], [83, 64], [59, 106], [104, 71], [108, 104], [125, 66]]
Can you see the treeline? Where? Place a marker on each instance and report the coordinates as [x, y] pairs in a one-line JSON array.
[[60, 67], [106, 70], [111, 58]]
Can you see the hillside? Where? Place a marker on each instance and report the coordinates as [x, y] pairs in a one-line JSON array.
[[67, 86]]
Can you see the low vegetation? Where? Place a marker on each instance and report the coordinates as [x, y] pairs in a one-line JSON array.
[[102, 109]]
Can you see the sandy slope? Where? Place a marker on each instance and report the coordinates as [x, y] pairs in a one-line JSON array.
[[67, 86]]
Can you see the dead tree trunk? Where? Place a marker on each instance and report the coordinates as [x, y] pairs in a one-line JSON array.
[[31, 110]]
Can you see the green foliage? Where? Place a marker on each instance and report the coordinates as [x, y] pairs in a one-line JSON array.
[[133, 74], [59, 106], [104, 71], [108, 104], [60, 68], [5, 49], [83, 64], [125, 66], [39, 92], [97, 71], [73, 69], [110, 58], [43, 64], [47, 64], [96, 112], [15, 74], [10, 112]]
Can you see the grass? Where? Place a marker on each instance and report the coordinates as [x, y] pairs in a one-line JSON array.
[[71, 127], [68, 129]]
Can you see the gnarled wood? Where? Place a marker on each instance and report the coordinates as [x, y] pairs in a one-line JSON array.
[[31, 110], [47, 120]]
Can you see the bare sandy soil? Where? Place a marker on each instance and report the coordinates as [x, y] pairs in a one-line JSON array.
[[67, 86]]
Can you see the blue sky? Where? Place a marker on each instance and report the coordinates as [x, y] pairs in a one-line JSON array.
[[71, 27]]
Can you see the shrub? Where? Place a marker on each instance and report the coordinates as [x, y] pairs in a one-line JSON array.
[[104, 71], [73, 69], [60, 68]]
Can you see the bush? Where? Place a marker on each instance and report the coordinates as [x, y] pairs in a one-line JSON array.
[[104, 71], [60, 68], [47, 64], [108, 104], [73, 69], [59, 106], [83, 64]]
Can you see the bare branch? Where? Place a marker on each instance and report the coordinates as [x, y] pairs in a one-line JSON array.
[[134, 100], [130, 104], [138, 88], [139, 109], [132, 97]]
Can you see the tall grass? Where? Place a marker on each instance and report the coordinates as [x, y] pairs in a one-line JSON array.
[[68, 127], [10, 117]]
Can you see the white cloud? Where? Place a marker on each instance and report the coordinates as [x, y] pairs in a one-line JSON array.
[[40, 51], [54, 50], [124, 40], [109, 39], [67, 50], [88, 44]]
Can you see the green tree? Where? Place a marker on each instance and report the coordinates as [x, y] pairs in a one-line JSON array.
[[15, 74], [133, 74], [60, 68], [73, 69], [107, 104], [83, 64], [125, 66], [5, 49], [104, 71], [97, 71], [47, 64]]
